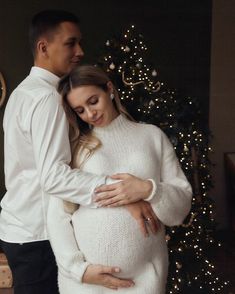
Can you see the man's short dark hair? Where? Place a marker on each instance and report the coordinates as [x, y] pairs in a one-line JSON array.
[[46, 22]]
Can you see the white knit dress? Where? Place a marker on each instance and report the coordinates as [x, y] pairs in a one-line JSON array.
[[111, 236]]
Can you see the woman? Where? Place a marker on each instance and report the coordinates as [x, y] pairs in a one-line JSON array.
[[105, 140]]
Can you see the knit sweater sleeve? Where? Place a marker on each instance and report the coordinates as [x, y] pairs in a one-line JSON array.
[[172, 200], [70, 260]]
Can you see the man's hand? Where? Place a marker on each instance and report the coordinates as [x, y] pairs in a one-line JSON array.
[[130, 189], [103, 276], [142, 211]]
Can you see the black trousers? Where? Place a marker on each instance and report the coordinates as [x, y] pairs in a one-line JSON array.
[[33, 267]]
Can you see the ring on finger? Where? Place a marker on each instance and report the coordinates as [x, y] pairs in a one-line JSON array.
[[148, 219]]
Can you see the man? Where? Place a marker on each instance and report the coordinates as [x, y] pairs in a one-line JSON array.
[[37, 157]]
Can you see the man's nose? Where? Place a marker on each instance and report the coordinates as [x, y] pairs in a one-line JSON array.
[[79, 51]]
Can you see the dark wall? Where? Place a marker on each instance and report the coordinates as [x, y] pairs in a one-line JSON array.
[[177, 34]]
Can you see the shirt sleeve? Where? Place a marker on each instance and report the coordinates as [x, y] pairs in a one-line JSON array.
[[173, 196], [70, 260], [49, 133]]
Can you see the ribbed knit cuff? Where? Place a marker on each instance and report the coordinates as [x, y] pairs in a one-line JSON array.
[[153, 192], [77, 271], [75, 267]]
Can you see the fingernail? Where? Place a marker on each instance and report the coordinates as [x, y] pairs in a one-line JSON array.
[[117, 270]]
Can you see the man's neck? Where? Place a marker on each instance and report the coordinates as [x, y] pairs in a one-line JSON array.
[[44, 65]]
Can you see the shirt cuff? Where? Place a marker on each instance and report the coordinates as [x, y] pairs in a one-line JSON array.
[[153, 192]]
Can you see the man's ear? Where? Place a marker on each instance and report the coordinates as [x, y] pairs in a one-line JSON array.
[[42, 47]]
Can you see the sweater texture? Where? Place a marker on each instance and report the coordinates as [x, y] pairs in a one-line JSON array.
[[111, 236]]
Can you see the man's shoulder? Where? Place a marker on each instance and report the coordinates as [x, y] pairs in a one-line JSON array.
[[36, 88], [30, 93]]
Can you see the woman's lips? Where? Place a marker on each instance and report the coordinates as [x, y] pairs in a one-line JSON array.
[[98, 120]]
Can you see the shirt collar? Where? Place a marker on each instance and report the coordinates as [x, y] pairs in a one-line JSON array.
[[45, 75]]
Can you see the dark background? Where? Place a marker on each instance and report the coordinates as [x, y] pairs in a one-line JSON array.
[[177, 34]]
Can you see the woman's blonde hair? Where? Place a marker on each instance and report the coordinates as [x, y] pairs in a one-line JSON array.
[[83, 143]]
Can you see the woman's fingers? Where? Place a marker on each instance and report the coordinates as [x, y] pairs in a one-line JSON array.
[[143, 227], [150, 221], [153, 213], [153, 222]]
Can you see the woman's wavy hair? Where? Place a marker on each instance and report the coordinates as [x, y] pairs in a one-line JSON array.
[[82, 141]]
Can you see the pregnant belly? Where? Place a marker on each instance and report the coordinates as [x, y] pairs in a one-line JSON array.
[[111, 236]]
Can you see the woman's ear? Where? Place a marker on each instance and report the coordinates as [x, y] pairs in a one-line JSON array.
[[110, 87]]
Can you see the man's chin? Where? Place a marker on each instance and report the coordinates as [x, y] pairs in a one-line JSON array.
[[70, 68], [74, 64]]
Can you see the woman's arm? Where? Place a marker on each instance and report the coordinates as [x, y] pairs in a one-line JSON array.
[[172, 200]]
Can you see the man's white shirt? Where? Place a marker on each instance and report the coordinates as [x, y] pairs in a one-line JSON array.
[[36, 159]]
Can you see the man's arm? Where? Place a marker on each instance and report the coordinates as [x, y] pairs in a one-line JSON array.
[[49, 132], [70, 260]]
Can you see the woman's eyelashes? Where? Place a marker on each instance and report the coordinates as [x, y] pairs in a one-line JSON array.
[[79, 111], [92, 101]]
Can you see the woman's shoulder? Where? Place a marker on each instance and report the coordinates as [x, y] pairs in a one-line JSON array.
[[148, 128], [152, 133]]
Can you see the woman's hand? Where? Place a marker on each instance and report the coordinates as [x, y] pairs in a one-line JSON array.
[[103, 276], [142, 211], [128, 190]]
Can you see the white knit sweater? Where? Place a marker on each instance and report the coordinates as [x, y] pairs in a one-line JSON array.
[[111, 236]]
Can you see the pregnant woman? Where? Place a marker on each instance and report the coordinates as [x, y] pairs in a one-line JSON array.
[[105, 140]]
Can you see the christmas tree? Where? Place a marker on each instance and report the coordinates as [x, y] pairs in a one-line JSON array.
[[149, 100]]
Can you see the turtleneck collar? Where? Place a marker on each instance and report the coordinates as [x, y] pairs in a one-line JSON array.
[[117, 125]]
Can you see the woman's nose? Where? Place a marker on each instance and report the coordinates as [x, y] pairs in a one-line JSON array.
[[91, 113]]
